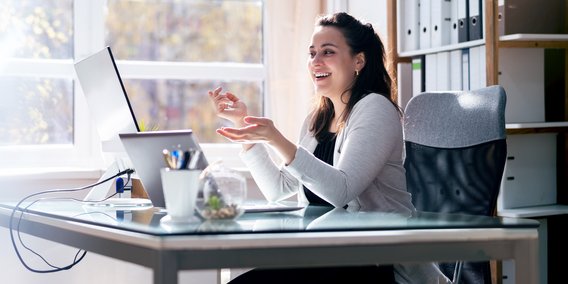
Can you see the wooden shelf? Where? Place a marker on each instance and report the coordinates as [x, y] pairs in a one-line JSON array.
[[534, 41], [449, 47], [537, 127], [534, 37], [534, 211]]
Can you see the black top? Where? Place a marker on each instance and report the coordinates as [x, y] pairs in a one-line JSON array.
[[324, 152]]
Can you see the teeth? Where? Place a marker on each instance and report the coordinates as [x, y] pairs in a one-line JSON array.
[[320, 75]]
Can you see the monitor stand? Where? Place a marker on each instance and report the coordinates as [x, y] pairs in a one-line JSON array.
[[96, 197]]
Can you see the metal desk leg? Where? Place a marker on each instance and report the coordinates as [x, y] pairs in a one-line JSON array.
[[166, 269]]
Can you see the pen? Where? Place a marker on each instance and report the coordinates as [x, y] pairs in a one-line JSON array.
[[194, 159], [185, 160], [168, 159]]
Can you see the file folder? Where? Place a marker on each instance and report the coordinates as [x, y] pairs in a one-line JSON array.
[[482, 67], [440, 22], [477, 67], [443, 71], [409, 17], [456, 70], [529, 178], [418, 75], [425, 18], [475, 19], [404, 72], [431, 72], [463, 20], [531, 17], [454, 33], [521, 73], [465, 69]]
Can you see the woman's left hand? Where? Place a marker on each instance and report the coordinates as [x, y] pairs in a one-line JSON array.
[[257, 129]]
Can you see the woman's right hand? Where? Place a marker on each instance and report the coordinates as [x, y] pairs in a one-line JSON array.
[[228, 106]]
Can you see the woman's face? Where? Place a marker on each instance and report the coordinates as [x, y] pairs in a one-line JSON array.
[[331, 64]]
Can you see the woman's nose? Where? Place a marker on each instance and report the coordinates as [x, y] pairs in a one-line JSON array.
[[316, 60]]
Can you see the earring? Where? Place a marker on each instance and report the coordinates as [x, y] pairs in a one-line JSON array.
[[356, 73]]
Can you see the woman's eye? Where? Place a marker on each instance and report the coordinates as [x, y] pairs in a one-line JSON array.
[[312, 54], [328, 52]]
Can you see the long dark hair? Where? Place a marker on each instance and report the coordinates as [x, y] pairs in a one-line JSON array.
[[373, 78]]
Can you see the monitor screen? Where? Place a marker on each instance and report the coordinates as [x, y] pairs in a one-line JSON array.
[[107, 101]]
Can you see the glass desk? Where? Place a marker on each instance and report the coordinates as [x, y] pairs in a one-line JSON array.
[[313, 236]]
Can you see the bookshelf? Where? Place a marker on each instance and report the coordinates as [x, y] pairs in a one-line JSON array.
[[546, 198], [495, 46]]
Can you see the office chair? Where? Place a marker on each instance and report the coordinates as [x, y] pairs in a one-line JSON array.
[[455, 157]]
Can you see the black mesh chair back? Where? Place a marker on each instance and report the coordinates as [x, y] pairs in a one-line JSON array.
[[455, 157]]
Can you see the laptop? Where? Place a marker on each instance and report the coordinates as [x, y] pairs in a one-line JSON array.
[[116, 122], [145, 152]]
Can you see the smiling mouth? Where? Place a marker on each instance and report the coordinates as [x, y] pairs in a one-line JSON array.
[[321, 75]]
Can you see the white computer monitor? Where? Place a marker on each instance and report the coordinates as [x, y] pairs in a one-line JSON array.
[[111, 112], [106, 97]]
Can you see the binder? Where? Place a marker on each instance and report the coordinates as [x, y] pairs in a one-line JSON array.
[[475, 19], [544, 17], [463, 20], [443, 71], [418, 75], [521, 73], [431, 72], [456, 70], [474, 68], [483, 66], [529, 178], [425, 18], [409, 17], [454, 32], [440, 22], [404, 73], [465, 69]]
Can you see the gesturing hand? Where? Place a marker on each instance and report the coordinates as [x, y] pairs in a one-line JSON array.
[[257, 129], [228, 106]]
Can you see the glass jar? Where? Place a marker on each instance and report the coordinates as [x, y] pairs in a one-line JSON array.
[[222, 192]]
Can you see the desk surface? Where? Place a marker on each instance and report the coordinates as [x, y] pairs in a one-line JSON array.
[[309, 219], [314, 236]]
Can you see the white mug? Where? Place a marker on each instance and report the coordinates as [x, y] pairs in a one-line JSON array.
[[180, 193]]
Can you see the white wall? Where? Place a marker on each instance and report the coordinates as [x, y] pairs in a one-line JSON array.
[[372, 11]]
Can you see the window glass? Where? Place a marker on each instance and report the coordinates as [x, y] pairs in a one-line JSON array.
[[36, 111], [36, 29], [197, 31], [189, 31], [37, 50], [180, 104]]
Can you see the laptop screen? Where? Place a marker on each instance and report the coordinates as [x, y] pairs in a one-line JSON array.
[[145, 152]]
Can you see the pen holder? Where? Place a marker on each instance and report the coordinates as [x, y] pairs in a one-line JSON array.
[[222, 192], [180, 193]]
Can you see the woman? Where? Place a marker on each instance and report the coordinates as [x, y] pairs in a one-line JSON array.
[[350, 152]]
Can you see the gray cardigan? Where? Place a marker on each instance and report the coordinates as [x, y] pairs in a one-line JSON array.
[[367, 172]]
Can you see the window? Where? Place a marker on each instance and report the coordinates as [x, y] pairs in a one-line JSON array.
[[169, 53]]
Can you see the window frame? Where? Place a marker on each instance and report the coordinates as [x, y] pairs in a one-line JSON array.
[[89, 37]]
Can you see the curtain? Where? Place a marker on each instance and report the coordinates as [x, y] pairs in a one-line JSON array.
[[290, 91]]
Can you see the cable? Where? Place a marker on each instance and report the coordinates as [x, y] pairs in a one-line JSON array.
[[78, 256]]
